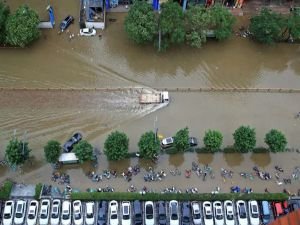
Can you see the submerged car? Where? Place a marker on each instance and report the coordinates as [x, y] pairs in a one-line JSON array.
[[66, 23], [68, 146], [87, 32]]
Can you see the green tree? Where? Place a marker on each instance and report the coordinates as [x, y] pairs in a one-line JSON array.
[[267, 27], [293, 25], [244, 139], [141, 23], [221, 21], [83, 151], [4, 13], [17, 152], [276, 141], [171, 24], [181, 139], [213, 140], [52, 151], [116, 146], [197, 22], [148, 145], [21, 27]]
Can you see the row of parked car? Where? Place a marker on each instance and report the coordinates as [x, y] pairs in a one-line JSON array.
[[66, 212]]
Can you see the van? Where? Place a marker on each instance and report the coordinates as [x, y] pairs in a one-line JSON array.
[[265, 212]]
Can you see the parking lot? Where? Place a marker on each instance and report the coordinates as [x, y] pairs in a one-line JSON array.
[[66, 212]]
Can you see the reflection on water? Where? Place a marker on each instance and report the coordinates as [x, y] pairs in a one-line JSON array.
[[176, 160], [233, 159], [205, 159], [261, 159]]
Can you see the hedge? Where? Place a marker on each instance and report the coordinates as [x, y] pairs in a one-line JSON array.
[[5, 190], [38, 189], [120, 196]]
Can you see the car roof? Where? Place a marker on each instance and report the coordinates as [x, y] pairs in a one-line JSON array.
[[278, 208]]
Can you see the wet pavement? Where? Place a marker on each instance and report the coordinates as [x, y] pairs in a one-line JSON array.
[[56, 62]]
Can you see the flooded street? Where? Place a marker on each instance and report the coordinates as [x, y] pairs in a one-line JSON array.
[[113, 61]]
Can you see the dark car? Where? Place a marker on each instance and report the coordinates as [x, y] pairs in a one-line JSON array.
[[102, 213], [185, 213], [66, 23], [193, 141], [294, 204], [68, 146], [161, 212], [137, 213]]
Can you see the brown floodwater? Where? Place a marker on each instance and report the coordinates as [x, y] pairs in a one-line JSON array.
[[114, 61]]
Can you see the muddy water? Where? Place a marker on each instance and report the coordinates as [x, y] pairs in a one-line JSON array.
[[56, 62]]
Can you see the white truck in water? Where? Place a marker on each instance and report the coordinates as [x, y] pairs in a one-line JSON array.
[[154, 98]]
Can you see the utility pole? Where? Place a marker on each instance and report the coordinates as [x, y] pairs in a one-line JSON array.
[[155, 129], [159, 31], [24, 139]]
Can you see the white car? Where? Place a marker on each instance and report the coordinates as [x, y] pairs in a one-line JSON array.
[[32, 212], [229, 212], [66, 213], [77, 212], [55, 212], [113, 213], [126, 213], [87, 32], [207, 213], [44, 212], [253, 212], [218, 213], [241, 212], [174, 212], [90, 213], [8, 213], [196, 213], [20, 212], [149, 213]]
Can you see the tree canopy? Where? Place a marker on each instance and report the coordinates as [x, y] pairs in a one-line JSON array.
[[244, 138], [116, 146], [213, 140], [52, 151], [293, 25], [276, 141], [181, 139], [171, 24], [21, 27], [149, 145], [4, 13], [83, 151], [141, 23], [17, 152], [267, 27]]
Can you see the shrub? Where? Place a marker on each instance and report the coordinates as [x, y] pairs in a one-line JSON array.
[[149, 145], [52, 151], [83, 151], [276, 141], [116, 146], [38, 189], [230, 149], [244, 139], [5, 190], [181, 140], [213, 140]]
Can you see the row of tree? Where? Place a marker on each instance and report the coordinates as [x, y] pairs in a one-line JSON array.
[[19, 28], [143, 25], [269, 27], [116, 145]]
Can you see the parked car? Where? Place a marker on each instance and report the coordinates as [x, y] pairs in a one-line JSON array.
[[68, 146], [1, 211], [185, 213], [32, 212], [169, 142], [265, 212], [87, 32], [174, 212], [8, 213], [44, 212], [113, 213], [149, 213], [193, 141], [229, 212], [207, 213], [294, 204], [196, 213], [77, 212], [162, 214], [102, 213], [277, 209], [20, 212], [66, 213], [55, 212], [218, 213], [241, 212], [89, 213], [253, 212], [126, 213], [137, 213], [66, 23]]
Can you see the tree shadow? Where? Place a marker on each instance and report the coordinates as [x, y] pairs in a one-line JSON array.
[[205, 158], [261, 159], [233, 159]]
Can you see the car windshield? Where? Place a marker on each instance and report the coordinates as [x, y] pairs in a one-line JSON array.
[[208, 216], [219, 217], [197, 216], [186, 219], [19, 215], [7, 216], [138, 216], [126, 217], [229, 217], [31, 216], [266, 217], [43, 215], [54, 215], [66, 216], [162, 216], [114, 216], [89, 215], [174, 217], [255, 215], [77, 216]]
